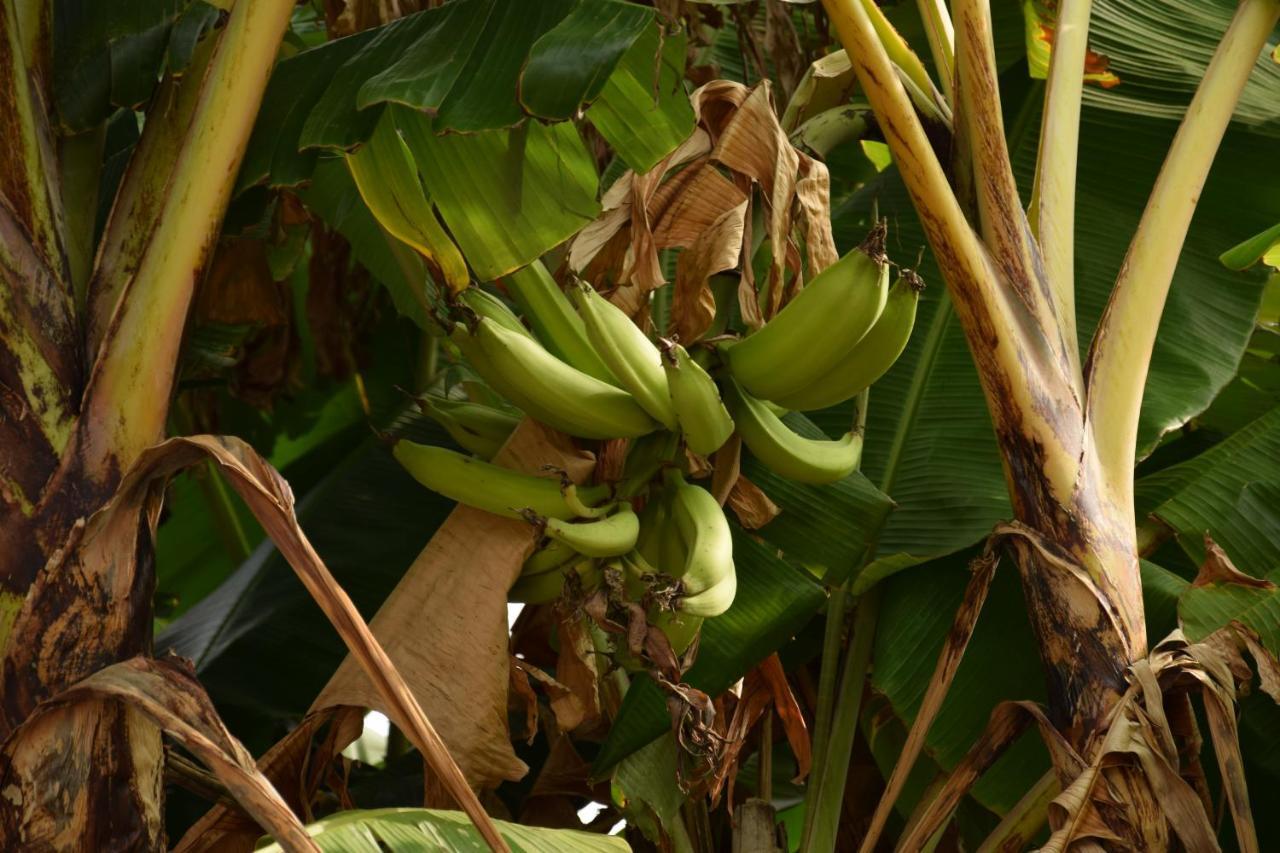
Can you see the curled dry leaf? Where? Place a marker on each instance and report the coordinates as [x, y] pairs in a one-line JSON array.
[[578, 671], [752, 505], [1218, 568]]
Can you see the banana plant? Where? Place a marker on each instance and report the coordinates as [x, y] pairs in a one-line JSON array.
[[1067, 428]]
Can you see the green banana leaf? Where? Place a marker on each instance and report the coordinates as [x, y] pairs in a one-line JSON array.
[[643, 111], [507, 196], [472, 65], [334, 197], [403, 830], [774, 600], [1231, 491]]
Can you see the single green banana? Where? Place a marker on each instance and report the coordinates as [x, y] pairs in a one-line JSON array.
[[489, 487], [812, 333], [652, 518], [713, 600], [548, 586], [548, 389], [485, 304], [805, 460], [709, 580], [550, 556], [627, 352], [479, 428], [611, 536], [554, 321], [703, 418], [870, 357]]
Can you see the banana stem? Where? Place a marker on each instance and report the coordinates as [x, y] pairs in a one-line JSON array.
[[1053, 201], [830, 788], [942, 42], [1121, 349]]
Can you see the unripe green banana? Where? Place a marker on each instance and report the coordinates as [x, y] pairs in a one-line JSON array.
[[550, 556], [646, 456], [703, 418], [548, 586], [548, 389], [554, 321], [611, 536], [652, 518], [491, 488], [485, 304], [805, 460], [870, 357], [812, 333], [709, 579], [713, 600], [479, 428], [627, 352]]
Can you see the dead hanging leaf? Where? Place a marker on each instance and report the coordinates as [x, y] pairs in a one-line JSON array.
[[291, 768], [578, 670], [445, 623], [522, 697], [727, 468], [270, 499], [752, 505], [168, 695], [788, 710], [1218, 568], [717, 248]]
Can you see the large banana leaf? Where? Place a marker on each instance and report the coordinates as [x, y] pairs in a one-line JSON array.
[[472, 65], [403, 830]]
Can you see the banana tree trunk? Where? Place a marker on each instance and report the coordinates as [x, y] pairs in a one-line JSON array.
[[86, 374]]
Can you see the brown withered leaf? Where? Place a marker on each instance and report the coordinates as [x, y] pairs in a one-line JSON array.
[[728, 468], [1218, 568], [445, 623], [788, 710], [752, 505], [578, 670], [290, 767], [167, 694], [523, 698], [716, 249]]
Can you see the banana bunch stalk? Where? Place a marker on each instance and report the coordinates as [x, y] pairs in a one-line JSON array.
[[581, 365]]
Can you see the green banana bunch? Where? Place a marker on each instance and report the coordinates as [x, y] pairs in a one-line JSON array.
[[547, 388], [627, 352], [553, 319], [611, 536], [491, 488], [485, 304], [815, 330], [805, 460], [870, 357], [479, 428], [547, 586], [708, 578], [703, 418]]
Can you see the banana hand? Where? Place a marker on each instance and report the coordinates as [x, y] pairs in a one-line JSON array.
[[548, 389], [709, 579], [479, 428], [813, 332], [870, 357]]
